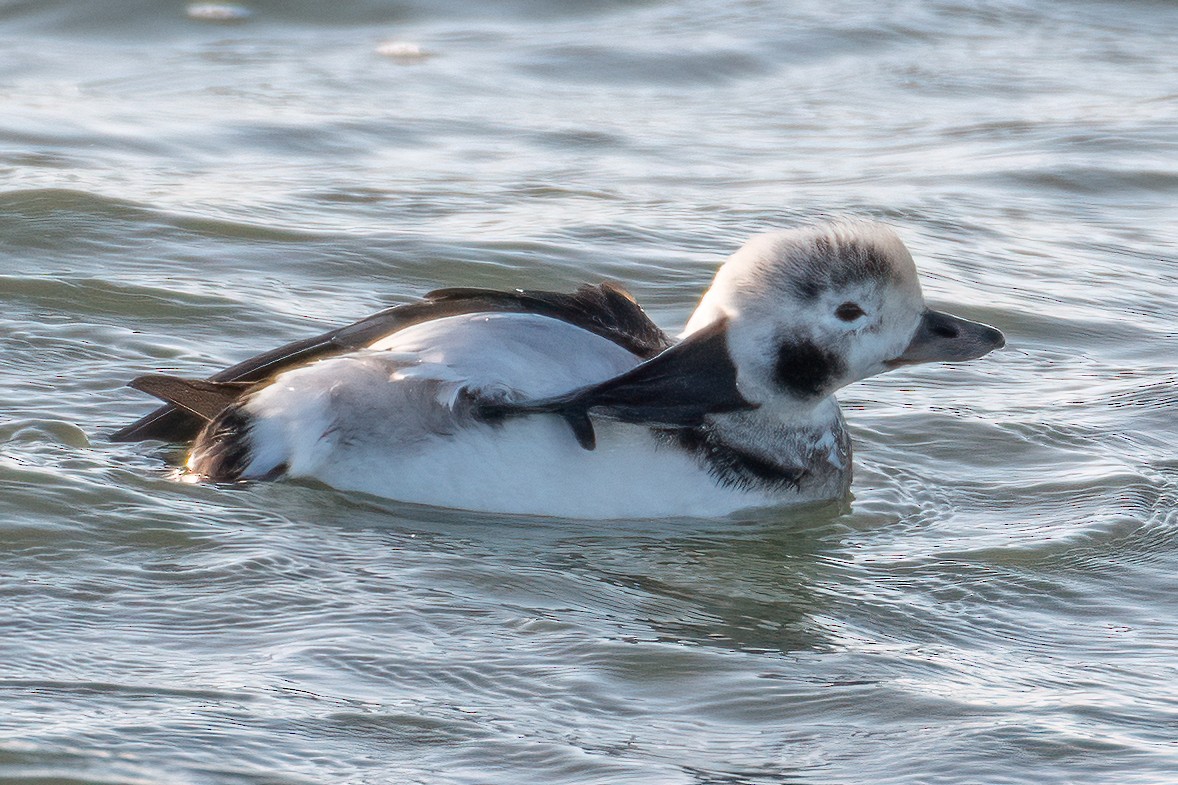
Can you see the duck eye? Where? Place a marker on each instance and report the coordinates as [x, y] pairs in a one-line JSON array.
[[849, 312]]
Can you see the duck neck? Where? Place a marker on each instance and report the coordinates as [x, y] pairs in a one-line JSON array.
[[805, 447]]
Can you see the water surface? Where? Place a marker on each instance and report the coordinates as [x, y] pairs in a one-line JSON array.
[[994, 604]]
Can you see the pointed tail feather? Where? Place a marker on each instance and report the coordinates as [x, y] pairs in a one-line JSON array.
[[199, 397]]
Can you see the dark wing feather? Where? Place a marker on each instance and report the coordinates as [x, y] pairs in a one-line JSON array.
[[676, 389], [607, 310]]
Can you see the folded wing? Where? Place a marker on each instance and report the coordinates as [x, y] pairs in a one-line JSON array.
[[606, 309]]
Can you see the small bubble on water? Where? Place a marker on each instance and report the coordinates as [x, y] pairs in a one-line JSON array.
[[218, 12], [402, 51]]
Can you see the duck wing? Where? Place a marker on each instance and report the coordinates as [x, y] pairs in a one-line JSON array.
[[606, 309], [677, 388]]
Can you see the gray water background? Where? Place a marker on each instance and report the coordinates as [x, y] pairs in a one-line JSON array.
[[994, 605]]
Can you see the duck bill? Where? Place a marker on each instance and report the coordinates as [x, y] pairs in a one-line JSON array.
[[941, 337]]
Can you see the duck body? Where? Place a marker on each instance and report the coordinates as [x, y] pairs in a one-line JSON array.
[[577, 405], [399, 420], [335, 421]]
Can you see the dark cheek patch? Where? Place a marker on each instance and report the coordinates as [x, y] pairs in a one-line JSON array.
[[805, 370]]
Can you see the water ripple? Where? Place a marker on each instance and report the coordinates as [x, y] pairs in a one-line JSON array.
[[994, 598]]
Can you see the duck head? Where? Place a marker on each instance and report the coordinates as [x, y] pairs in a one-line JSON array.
[[812, 310]]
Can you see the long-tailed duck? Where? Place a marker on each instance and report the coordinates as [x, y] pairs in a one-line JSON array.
[[577, 405]]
